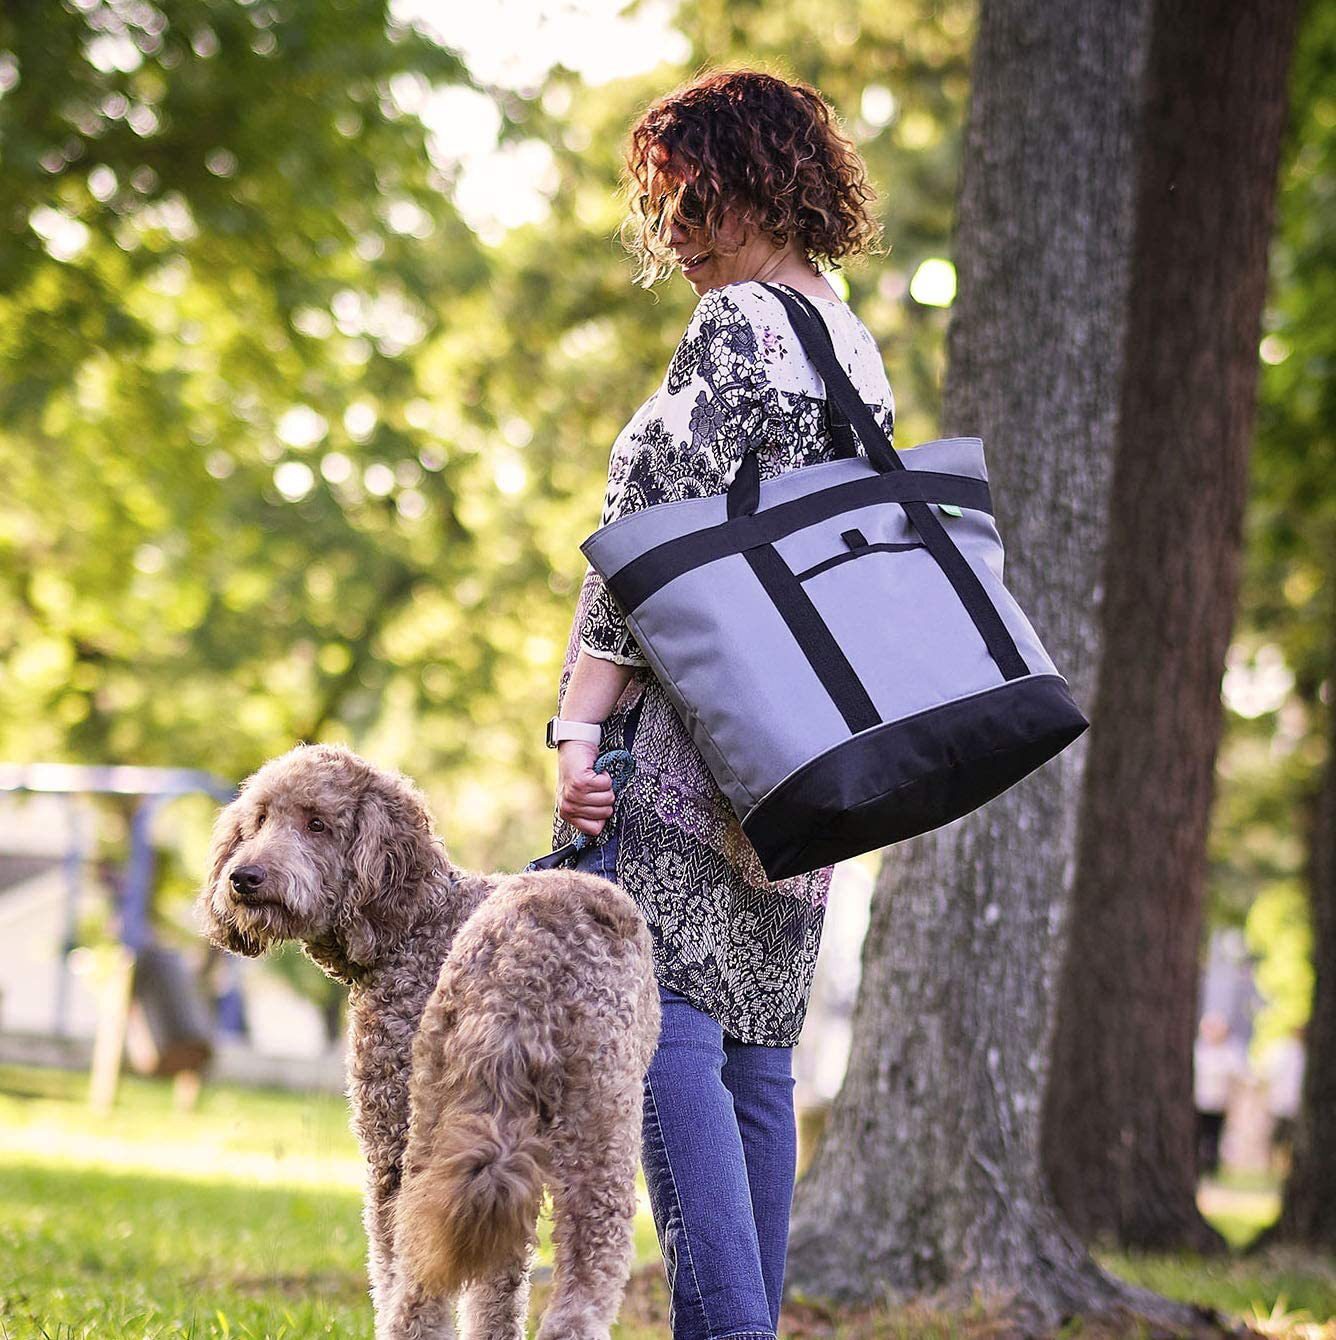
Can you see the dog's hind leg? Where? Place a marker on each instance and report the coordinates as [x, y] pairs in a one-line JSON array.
[[497, 1308], [593, 1180]]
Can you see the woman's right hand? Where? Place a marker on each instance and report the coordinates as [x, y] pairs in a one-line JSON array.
[[584, 797]]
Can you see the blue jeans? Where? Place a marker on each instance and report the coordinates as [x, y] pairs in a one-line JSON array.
[[719, 1149]]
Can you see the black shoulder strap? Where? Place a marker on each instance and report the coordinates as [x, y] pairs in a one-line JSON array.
[[817, 345], [956, 567], [837, 422]]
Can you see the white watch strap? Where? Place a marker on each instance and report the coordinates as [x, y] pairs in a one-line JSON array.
[[576, 730]]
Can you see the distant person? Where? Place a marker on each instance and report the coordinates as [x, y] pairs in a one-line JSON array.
[[1283, 1069], [1219, 1062]]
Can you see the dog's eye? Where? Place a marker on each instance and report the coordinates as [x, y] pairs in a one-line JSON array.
[[316, 825], [259, 819]]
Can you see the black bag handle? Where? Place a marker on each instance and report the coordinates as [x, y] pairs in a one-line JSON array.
[[837, 422]]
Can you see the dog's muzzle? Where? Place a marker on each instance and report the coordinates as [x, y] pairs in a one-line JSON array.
[[246, 881]]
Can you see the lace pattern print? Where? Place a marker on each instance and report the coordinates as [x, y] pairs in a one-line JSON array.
[[738, 946]]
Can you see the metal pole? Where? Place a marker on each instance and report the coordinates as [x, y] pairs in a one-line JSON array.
[[74, 862], [139, 876]]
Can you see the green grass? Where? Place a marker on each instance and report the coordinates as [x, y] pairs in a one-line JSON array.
[[98, 1253], [243, 1219], [1294, 1282]]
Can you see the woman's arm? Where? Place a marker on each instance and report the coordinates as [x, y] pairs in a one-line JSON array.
[[711, 407], [594, 687], [585, 797]]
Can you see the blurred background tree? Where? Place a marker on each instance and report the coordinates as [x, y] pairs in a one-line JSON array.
[[1281, 828], [292, 451]]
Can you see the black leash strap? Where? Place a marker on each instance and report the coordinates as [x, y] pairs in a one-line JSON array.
[[620, 767]]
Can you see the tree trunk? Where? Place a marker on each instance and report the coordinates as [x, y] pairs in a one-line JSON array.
[[1308, 1207], [1119, 1141], [928, 1178]]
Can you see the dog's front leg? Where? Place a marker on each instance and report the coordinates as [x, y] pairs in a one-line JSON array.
[[497, 1308], [403, 1311], [382, 1186], [409, 1314]]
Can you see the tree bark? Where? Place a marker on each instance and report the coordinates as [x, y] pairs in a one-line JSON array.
[[1119, 1143], [928, 1178]]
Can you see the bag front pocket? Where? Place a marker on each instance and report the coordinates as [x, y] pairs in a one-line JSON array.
[[858, 546], [901, 624]]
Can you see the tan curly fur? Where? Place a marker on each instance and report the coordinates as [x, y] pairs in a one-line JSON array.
[[500, 1028]]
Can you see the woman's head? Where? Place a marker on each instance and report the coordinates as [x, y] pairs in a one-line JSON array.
[[738, 165]]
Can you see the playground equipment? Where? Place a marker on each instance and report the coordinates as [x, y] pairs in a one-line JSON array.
[[150, 1009]]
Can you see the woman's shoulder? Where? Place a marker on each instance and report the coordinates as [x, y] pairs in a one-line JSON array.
[[755, 298], [748, 303]]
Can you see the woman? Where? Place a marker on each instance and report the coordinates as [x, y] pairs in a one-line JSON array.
[[737, 178]]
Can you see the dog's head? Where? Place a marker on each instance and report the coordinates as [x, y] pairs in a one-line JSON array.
[[320, 846]]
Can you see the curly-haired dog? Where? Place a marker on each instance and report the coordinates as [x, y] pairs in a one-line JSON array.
[[501, 1027]]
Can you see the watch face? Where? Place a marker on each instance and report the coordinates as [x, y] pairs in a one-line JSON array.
[[551, 743]]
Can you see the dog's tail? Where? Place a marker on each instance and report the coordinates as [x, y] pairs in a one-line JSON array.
[[472, 1200]]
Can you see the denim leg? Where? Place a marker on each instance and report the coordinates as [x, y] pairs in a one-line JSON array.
[[761, 1081], [696, 1174], [600, 860]]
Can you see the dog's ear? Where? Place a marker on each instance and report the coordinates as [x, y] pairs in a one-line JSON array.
[[390, 860], [215, 915]]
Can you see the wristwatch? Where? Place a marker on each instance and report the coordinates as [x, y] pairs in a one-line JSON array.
[[558, 730]]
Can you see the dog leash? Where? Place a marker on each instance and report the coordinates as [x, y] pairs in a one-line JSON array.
[[620, 767]]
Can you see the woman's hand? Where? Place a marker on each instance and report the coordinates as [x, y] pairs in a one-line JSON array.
[[584, 797]]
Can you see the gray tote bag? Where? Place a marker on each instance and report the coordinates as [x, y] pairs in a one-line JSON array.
[[838, 640]]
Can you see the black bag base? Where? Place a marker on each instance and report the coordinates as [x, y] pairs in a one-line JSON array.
[[906, 777]]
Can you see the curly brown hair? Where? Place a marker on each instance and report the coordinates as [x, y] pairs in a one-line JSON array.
[[769, 149]]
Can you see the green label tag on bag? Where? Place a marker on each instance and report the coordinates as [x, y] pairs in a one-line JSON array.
[[950, 508]]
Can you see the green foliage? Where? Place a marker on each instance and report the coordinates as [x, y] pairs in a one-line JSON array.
[[166, 602], [1292, 521], [1272, 758], [290, 453], [1280, 935]]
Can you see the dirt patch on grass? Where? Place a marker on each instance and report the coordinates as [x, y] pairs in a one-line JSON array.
[[644, 1315]]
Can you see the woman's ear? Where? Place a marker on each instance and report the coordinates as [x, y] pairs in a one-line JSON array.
[[214, 908], [391, 859]]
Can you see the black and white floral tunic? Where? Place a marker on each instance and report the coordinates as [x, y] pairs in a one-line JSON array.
[[739, 947]]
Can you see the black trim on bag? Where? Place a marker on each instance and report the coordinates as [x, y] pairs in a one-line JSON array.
[[649, 572], [910, 776], [864, 548], [828, 662]]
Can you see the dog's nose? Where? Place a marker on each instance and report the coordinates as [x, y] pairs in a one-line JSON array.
[[247, 878]]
